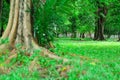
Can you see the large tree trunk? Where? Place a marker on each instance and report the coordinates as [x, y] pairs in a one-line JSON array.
[[19, 28], [19, 25]]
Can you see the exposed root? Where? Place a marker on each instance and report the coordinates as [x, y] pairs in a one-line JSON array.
[[44, 51], [4, 48], [23, 26], [48, 53], [10, 58], [34, 65], [10, 21], [4, 70]]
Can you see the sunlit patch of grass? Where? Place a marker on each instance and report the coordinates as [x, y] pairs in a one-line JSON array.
[[93, 60]]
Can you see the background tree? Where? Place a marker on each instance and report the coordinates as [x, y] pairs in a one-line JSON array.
[[112, 19], [101, 13]]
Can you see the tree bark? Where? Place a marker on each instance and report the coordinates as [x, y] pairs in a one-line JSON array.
[[73, 27], [83, 35], [90, 35], [99, 28], [19, 27], [10, 21]]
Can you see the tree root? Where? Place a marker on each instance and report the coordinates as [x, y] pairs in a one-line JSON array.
[[44, 51], [48, 53], [3, 47], [33, 64]]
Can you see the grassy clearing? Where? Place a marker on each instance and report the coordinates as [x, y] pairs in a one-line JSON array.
[[94, 59], [89, 60]]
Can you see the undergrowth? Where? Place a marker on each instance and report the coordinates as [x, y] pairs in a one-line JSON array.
[[89, 60]]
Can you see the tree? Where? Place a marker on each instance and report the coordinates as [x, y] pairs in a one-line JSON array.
[[19, 24], [113, 19], [19, 29], [99, 28], [73, 27]]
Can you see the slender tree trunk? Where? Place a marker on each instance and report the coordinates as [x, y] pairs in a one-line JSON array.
[[83, 35], [96, 31], [66, 33], [73, 27], [108, 36], [90, 35], [73, 32], [118, 36], [80, 35], [100, 28]]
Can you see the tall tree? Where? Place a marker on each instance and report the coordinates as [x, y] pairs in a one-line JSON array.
[[99, 28], [73, 27], [19, 28], [19, 24]]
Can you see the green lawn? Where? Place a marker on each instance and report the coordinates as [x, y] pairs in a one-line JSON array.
[[93, 60], [88, 60]]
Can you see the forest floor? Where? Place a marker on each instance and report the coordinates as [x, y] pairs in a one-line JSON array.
[[88, 60]]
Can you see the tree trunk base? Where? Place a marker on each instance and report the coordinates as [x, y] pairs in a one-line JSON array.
[[43, 51], [19, 31], [13, 54]]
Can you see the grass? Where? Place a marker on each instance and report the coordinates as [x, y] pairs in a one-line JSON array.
[[100, 60], [89, 60]]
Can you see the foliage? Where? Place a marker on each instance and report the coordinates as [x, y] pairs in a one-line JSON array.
[[4, 15], [113, 18], [49, 21], [53, 17]]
